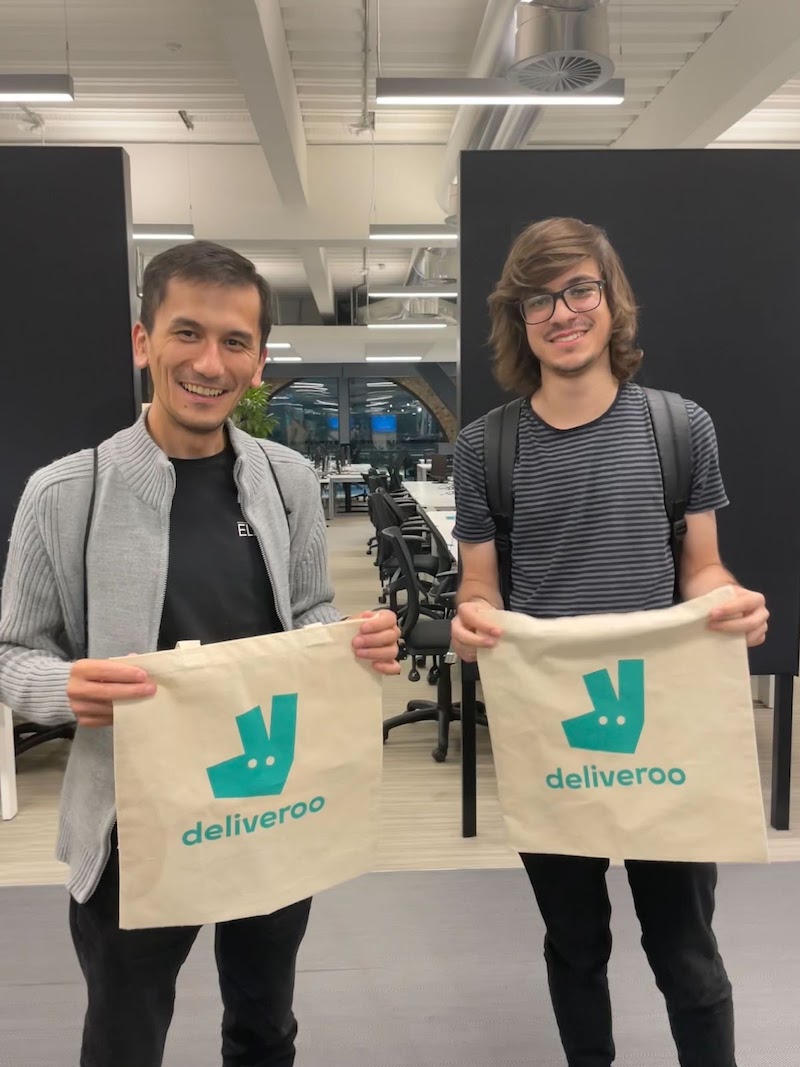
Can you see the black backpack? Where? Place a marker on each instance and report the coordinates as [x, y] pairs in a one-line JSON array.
[[673, 442]]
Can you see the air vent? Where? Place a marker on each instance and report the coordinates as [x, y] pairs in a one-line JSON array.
[[559, 51]]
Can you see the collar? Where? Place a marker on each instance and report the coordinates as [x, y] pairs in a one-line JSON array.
[[151, 476]]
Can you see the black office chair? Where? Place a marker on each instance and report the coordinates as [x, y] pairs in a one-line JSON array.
[[422, 636], [415, 531], [28, 735], [439, 468]]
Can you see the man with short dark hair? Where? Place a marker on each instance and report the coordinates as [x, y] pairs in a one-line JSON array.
[[591, 535], [226, 536]]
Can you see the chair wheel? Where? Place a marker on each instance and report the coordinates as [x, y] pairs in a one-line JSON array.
[[413, 675], [381, 599], [433, 676], [439, 754]]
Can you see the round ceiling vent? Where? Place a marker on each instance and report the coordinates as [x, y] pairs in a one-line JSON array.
[[557, 51], [562, 72]]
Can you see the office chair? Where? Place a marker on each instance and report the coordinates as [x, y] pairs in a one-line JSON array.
[[28, 735], [422, 636], [374, 482], [415, 532], [439, 468]]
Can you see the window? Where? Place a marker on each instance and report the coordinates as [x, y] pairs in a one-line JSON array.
[[308, 414], [384, 418]]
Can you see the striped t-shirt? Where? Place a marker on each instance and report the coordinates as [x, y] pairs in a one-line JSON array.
[[590, 531]]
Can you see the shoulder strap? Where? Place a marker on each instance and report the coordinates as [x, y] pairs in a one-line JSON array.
[[499, 453], [87, 531], [672, 432]]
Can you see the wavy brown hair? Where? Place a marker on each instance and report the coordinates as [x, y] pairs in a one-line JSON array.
[[541, 253]]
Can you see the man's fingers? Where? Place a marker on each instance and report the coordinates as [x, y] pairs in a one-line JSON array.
[[377, 621], [108, 692], [475, 619], [387, 667], [378, 640], [103, 670]]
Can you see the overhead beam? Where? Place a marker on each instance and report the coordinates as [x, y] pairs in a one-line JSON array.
[[749, 56], [315, 262], [256, 40]]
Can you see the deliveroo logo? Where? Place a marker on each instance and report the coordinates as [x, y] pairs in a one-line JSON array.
[[267, 757], [616, 722]]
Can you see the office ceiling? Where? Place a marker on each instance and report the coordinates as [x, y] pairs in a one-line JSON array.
[[288, 158]]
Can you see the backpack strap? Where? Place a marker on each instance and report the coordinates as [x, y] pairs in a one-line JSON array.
[[499, 455], [673, 436]]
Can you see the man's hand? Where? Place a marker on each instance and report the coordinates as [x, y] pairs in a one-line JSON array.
[[472, 629], [377, 640], [745, 613], [94, 685]]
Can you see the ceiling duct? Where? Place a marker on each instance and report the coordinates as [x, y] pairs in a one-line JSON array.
[[431, 269], [561, 46]]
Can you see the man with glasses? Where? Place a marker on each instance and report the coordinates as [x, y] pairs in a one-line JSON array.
[[590, 536]]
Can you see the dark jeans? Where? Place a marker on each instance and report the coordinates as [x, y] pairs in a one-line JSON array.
[[131, 974], [675, 906]]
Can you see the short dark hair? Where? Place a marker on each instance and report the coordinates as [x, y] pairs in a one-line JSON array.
[[206, 263], [542, 252]]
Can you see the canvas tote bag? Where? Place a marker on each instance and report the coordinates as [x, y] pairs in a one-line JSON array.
[[250, 780], [628, 736]]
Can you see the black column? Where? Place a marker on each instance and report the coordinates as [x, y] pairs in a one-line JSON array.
[[66, 300], [710, 242]]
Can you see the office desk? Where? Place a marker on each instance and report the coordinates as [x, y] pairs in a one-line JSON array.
[[433, 496], [347, 479], [444, 521], [8, 771]]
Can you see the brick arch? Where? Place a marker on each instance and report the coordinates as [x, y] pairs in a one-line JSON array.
[[428, 398]]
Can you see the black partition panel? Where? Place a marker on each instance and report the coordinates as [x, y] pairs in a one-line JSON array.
[[66, 298], [711, 243]]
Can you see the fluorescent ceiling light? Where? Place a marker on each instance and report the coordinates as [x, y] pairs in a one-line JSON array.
[[278, 344], [285, 359], [406, 325], [36, 88], [413, 293], [379, 385], [455, 92], [419, 233], [163, 232], [393, 359]]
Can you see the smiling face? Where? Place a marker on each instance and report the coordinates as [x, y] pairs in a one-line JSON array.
[[203, 351], [571, 343]]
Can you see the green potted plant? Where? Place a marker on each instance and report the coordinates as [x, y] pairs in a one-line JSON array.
[[251, 414]]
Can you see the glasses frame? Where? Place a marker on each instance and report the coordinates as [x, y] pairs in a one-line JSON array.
[[562, 295]]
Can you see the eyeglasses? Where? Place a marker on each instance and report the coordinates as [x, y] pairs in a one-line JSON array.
[[582, 296]]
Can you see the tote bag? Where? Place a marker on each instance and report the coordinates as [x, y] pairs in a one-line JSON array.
[[250, 780], [628, 736]]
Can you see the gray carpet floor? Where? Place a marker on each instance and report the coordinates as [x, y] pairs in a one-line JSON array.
[[441, 969]]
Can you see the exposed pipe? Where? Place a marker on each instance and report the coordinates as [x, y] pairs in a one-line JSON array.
[[516, 126], [493, 54], [492, 49]]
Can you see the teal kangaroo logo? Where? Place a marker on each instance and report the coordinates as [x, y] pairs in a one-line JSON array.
[[267, 756], [617, 721]]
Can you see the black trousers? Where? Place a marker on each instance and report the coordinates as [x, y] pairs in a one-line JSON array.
[[675, 906], [131, 974]]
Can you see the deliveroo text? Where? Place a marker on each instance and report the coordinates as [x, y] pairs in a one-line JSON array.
[[247, 824]]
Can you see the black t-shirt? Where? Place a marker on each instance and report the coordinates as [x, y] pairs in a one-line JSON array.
[[218, 588]]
